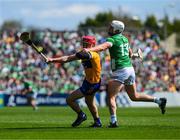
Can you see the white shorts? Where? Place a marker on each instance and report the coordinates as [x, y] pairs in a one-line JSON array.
[[33, 95], [125, 76]]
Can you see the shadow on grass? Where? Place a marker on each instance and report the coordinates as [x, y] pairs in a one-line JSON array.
[[123, 127], [41, 128]]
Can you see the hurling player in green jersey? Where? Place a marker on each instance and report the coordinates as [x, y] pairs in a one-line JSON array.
[[30, 94], [122, 70]]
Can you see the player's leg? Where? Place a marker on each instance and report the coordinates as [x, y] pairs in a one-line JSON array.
[[88, 89], [93, 109], [134, 96], [71, 101], [31, 99], [33, 103], [112, 90]]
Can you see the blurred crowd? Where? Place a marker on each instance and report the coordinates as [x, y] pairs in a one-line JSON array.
[[159, 71]]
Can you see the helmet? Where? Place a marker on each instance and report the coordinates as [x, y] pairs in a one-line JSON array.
[[117, 26], [89, 40]]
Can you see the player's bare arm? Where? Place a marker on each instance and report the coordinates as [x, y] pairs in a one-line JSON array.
[[65, 59], [62, 59], [98, 48]]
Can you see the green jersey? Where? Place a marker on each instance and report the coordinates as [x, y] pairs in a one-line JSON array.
[[29, 85], [119, 52]]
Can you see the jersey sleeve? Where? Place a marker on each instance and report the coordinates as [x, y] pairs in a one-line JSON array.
[[83, 55], [110, 41], [27, 85]]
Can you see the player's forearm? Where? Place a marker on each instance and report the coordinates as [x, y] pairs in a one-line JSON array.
[[59, 59], [99, 48], [63, 59]]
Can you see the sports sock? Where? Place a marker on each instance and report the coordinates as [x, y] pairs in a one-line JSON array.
[[80, 113], [156, 100], [113, 118], [97, 120]]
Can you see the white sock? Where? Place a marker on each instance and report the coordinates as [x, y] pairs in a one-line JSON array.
[[156, 100], [113, 118]]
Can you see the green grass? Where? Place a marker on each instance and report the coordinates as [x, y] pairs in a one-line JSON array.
[[55, 123]]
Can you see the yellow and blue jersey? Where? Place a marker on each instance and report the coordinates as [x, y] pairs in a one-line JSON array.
[[92, 67]]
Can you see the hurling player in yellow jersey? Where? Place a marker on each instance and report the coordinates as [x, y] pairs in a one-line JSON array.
[[91, 84]]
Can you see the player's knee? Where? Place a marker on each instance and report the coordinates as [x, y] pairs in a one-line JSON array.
[[88, 102]]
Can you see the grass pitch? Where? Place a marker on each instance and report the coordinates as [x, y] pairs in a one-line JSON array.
[[55, 123]]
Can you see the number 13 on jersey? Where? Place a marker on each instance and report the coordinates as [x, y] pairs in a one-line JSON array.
[[124, 49]]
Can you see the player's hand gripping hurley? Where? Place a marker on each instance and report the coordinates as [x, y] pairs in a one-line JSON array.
[[25, 37]]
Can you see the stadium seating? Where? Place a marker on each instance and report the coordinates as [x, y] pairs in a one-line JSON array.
[[159, 71]]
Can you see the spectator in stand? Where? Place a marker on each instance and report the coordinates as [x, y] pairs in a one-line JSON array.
[[17, 60]]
